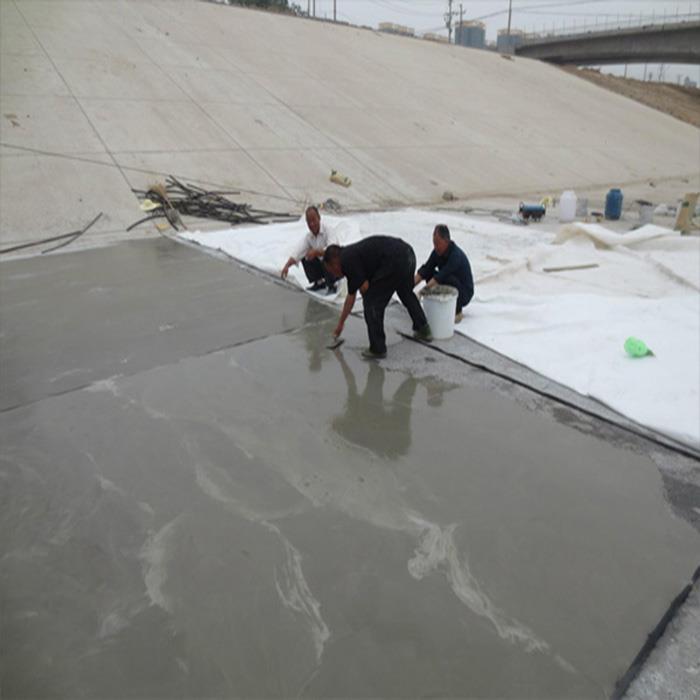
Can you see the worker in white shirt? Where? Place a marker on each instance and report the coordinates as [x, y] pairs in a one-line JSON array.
[[310, 254]]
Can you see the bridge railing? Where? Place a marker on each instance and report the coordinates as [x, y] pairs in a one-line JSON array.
[[592, 27]]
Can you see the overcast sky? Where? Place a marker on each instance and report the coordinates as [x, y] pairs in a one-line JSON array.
[[528, 15]]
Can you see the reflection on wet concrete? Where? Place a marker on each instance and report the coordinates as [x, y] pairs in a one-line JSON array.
[[317, 332], [382, 425], [368, 421]]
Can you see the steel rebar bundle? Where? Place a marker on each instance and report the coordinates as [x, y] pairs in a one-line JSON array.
[[190, 200]]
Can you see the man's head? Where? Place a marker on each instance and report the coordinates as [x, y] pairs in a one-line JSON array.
[[313, 220], [441, 239], [331, 259]]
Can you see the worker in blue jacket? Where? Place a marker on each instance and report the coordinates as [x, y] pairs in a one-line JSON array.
[[448, 265]]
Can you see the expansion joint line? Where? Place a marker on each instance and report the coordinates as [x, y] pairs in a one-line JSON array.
[[625, 681]]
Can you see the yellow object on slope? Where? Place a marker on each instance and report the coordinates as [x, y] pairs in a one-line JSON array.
[[338, 179]]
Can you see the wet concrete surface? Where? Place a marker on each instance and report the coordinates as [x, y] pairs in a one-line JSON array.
[[269, 518], [68, 320]]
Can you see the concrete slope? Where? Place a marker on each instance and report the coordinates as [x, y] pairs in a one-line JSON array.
[[98, 97]]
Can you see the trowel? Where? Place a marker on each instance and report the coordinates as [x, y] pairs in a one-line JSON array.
[[335, 343]]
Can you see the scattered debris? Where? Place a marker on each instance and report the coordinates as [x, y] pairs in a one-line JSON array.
[[566, 268], [149, 205], [66, 238], [175, 198], [338, 179], [665, 210], [331, 205], [448, 196]]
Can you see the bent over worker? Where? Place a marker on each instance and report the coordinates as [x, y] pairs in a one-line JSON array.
[[310, 254], [448, 265], [377, 267]]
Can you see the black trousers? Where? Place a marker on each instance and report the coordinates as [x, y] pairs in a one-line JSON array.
[[379, 295], [464, 296], [315, 271]]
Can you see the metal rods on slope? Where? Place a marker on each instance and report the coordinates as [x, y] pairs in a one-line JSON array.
[[190, 200], [66, 239]]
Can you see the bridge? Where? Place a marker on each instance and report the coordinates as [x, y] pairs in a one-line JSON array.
[[677, 42]]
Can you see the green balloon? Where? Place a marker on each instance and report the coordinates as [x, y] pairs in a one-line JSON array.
[[636, 348]]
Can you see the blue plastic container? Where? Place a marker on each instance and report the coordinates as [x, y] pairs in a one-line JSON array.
[[613, 204]]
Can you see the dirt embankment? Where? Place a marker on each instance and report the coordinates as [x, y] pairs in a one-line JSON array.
[[680, 102]]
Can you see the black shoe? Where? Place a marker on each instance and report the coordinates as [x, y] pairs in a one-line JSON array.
[[370, 354], [423, 334], [316, 286]]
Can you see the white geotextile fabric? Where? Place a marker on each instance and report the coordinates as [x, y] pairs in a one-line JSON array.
[[568, 325]]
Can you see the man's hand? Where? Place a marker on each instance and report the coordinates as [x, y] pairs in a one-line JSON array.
[[417, 280], [347, 308], [364, 287], [312, 254], [285, 269]]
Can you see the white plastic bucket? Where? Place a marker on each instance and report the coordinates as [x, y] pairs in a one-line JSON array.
[[440, 306], [646, 212], [567, 206]]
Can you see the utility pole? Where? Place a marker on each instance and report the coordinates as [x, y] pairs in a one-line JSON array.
[[308, 8], [335, 17], [461, 25], [314, 7], [448, 20], [510, 13]]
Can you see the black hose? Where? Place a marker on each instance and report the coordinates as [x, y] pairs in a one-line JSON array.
[[686, 452]]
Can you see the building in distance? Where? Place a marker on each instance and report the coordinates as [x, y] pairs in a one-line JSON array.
[[471, 34], [507, 43], [430, 36], [391, 28]]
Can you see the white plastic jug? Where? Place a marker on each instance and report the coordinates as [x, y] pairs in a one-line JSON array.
[[567, 206], [440, 306], [646, 212]]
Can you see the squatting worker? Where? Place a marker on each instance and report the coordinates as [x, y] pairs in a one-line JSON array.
[[377, 266], [310, 253], [448, 265]]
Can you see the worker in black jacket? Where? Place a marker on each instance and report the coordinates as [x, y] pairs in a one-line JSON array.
[[377, 266], [448, 265]]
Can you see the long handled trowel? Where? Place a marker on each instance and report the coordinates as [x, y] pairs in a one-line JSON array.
[[335, 343]]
